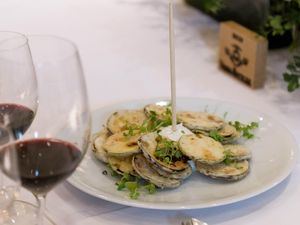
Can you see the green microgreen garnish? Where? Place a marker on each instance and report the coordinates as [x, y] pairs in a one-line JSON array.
[[111, 171], [228, 157], [151, 124], [245, 128], [133, 185], [167, 151], [151, 188], [216, 136], [121, 184], [225, 115]]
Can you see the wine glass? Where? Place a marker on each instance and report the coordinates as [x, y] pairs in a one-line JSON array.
[[18, 85], [57, 140], [18, 96]]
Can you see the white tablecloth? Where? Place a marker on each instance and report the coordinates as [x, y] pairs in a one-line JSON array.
[[124, 49]]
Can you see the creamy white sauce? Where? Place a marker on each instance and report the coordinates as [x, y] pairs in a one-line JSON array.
[[167, 132]]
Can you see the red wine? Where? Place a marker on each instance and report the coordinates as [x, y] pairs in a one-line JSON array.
[[19, 118], [43, 163]]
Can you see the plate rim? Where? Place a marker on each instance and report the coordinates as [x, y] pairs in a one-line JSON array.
[[174, 206]]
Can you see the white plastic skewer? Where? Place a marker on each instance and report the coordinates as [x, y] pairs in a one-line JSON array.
[[172, 65]]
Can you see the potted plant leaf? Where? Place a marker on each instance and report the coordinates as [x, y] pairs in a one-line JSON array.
[[223, 10], [282, 27], [292, 75]]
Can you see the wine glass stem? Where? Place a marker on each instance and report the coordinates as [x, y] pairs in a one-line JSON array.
[[41, 200]]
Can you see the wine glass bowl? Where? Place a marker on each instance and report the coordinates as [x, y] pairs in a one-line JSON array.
[[18, 105], [18, 86]]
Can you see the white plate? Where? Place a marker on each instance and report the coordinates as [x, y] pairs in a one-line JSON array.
[[274, 156]]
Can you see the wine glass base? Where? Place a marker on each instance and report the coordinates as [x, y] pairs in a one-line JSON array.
[[23, 213]]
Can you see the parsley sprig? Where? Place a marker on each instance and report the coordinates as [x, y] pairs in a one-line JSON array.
[[151, 124], [167, 151], [151, 188], [134, 184], [228, 157], [229, 160], [246, 129], [216, 136]]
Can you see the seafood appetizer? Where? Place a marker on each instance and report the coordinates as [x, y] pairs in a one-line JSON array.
[[140, 148]]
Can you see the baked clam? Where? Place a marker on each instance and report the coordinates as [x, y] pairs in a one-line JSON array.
[[180, 175], [159, 110], [201, 148], [149, 143], [229, 134], [200, 121], [230, 172], [98, 140], [119, 121], [120, 145], [237, 152], [121, 165], [144, 169]]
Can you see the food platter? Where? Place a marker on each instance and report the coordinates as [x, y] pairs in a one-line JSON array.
[[274, 153]]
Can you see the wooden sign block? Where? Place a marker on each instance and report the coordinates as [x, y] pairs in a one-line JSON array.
[[243, 53]]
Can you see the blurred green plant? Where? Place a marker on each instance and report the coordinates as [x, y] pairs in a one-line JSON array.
[[292, 75], [284, 17], [213, 6], [208, 6]]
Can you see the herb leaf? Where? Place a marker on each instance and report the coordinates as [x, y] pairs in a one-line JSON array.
[[167, 151], [151, 188], [245, 128], [133, 184], [216, 136], [151, 124], [121, 184], [228, 158]]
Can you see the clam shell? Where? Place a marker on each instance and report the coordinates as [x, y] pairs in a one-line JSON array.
[[121, 165], [98, 140], [237, 152], [232, 172], [158, 109], [118, 121], [119, 145], [145, 170], [180, 175], [202, 148], [227, 130], [148, 146], [229, 134], [200, 121]]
